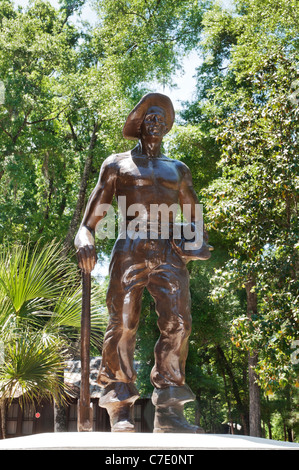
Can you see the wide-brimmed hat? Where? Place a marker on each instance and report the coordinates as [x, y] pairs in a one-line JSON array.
[[131, 129]]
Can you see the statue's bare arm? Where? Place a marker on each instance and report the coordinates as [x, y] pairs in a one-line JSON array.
[[100, 198], [187, 194]]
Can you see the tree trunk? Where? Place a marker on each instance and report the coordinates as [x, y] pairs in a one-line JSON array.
[[197, 411], [231, 423], [254, 398], [68, 242], [3, 417], [254, 390], [60, 420], [225, 366], [268, 420]]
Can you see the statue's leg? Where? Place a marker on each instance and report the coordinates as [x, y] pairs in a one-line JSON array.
[[117, 374], [118, 398], [169, 285], [169, 410]]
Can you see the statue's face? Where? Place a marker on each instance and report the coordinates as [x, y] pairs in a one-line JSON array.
[[154, 123]]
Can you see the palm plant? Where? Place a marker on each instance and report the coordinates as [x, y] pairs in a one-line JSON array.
[[33, 366], [40, 317]]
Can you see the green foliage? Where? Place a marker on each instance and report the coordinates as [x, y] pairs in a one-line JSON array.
[[147, 36], [33, 368], [40, 318], [246, 173], [256, 208], [68, 90]]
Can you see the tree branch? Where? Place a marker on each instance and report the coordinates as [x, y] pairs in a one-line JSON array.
[[82, 190], [15, 137], [48, 119]]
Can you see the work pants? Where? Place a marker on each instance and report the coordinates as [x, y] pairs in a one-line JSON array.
[[154, 264]]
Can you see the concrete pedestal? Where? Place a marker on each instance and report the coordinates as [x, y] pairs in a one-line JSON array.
[[106, 441]]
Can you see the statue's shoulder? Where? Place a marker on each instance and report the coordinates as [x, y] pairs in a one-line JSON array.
[[113, 161], [181, 167]]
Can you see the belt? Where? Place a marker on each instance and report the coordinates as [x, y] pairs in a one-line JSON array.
[[148, 229]]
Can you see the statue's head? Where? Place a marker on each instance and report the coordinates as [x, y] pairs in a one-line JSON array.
[[153, 115]]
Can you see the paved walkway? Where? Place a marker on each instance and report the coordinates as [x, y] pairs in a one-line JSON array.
[[141, 441]]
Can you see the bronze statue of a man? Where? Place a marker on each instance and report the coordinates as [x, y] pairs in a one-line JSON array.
[[147, 177]]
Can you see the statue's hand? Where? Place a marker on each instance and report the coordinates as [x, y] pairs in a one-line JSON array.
[[87, 258], [85, 250]]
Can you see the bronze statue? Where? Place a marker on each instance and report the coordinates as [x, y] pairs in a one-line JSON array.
[[145, 176]]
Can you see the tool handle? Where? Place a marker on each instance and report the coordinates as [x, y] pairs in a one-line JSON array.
[[84, 409]]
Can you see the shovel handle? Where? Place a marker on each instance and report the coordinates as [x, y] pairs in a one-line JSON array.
[[84, 409]]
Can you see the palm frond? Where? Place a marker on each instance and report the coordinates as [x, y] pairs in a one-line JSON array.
[[27, 273], [33, 367], [40, 317]]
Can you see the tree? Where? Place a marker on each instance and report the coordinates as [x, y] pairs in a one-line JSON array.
[[36, 50], [247, 107], [67, 89], [40, 321], [253, 202]]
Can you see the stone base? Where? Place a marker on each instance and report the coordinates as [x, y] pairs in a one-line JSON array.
[[106, 441]]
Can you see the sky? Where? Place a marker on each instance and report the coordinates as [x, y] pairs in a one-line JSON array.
[[185, 80]]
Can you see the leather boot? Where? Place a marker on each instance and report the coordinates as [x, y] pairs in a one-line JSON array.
[[169, 410], [118, 399], [121, 417]]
